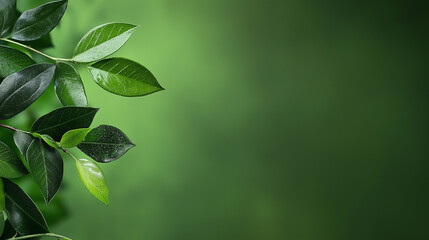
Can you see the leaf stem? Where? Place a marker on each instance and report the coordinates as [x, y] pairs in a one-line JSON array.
[[36, 51], [12, 128], [40, 235]]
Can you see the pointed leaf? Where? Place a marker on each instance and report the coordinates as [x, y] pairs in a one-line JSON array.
[[10, 164], [102, 41], [59, 121], [22, 141], [92, 177], [35, 23], [73, 137], [105, 144], [19, 90], [46, 167], [21, 211], [7, 13], [69, 87], [12, 61], [124, 77]]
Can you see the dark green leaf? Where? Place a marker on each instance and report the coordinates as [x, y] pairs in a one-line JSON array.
[[12, 61], [21, 211], [35, 23], [2, 195], [102, 41], [2, 222], [92, 177], [22, 141], [7, 13], [73, 137], [64, 119], [105, 144], [19, 90], [46, 167], [10, 164], [8, 231], [124, 77], [41, 43], [69, 87]]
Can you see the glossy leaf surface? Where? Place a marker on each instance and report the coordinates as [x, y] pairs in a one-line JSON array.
[[62, 120], [105, 144], [19, 90], [10, 164], [46, 167], [22, 141], [102, 41], [69, 87], [92, 177], [21, 211], [13, 61], [73, 137], [35, 23], [7, 13], [124, 77]]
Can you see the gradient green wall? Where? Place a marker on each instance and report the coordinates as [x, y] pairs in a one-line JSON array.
[[295, 119]]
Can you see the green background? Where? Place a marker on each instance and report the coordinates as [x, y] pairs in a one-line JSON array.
[[295, 119]]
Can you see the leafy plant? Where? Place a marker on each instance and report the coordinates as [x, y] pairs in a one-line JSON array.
[[23, 81]]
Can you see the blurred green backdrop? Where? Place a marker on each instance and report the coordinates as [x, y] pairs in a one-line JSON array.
[[294, 119]]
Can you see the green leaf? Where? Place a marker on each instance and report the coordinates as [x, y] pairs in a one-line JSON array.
[[7, 13], [46, 167], [102, 41], [22, 141], [2, 196], [64, 119], [10, 164], [69, 87], [35, 23], [47, 139], [21, 211], [19, 90], [105, 144], [73, 137], [12, 61], [2, 222], [92, 177], [8, 231], [124, 77]]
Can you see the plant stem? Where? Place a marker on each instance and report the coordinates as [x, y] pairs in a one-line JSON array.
[[40, 235], [36, 51], [12, 128]]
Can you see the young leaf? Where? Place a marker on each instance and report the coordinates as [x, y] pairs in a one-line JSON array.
[[7, 13], [102, 41], [12, 61], [46, 167], [73, 137], [92, 177], [10, 164], [61, 120], [22, 141], [35, 23], [21, 211], [50, 141], [124, 77], [105, 144], [69, 87], [19, 90]]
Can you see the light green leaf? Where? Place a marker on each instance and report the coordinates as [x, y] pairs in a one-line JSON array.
[[92, 177], [35, 23], [73, 137], [102, 41], [48, 139], [46, 167], [10, 164], [69, 87], [124, 77]]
